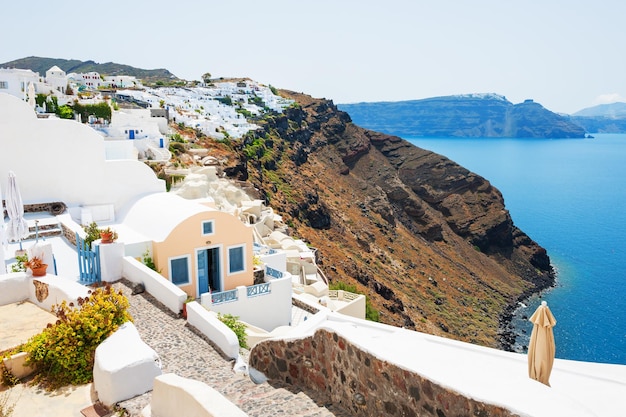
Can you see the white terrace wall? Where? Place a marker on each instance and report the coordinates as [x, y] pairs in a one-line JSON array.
[[267, 311], [175, 396], [157, 285], [208, 324], [41, 291], [62, 160]]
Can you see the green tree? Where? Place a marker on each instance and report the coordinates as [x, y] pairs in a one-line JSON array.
[[206, 77], [52, 104], [40, 99], [99, 110]]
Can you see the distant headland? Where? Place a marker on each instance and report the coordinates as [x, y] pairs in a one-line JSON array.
[[472, 115]]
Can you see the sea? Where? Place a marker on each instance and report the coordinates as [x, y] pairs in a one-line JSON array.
[[569, 195]]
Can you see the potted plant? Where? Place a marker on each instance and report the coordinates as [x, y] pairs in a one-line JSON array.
[[108, 235], [188, 300], [37, 266]]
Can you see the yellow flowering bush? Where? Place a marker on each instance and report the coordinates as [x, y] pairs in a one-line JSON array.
[[64, 352]]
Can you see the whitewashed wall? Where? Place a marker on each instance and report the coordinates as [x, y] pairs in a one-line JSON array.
[[62, 160]]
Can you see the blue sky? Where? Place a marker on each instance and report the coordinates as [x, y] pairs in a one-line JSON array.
[[566, 55]]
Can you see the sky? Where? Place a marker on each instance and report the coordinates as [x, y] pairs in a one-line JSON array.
[[564, 54]]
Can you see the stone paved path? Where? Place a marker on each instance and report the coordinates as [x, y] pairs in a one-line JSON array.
[[186, 353]]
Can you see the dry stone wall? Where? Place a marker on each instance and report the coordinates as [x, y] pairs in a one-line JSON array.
[[360, 382]]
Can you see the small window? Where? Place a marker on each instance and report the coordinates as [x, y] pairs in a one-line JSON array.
[[4, 85], [207, 227], [179, 270], [235, 259]]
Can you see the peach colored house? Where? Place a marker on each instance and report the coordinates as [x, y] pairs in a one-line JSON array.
[[195, 246]]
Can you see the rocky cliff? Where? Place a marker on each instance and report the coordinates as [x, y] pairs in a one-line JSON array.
[[430, 243], [477, 115]]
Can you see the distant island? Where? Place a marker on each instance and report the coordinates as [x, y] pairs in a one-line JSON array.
[[604, 118], [470, 115]]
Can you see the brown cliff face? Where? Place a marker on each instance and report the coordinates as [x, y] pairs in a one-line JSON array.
[[430, 243]]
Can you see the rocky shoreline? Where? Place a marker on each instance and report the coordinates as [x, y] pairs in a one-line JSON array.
[[506, 331]]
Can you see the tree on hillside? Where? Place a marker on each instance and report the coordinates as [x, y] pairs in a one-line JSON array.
[[206, 77]]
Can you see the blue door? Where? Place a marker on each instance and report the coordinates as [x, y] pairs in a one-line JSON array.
[[131, 134], [209, 270]]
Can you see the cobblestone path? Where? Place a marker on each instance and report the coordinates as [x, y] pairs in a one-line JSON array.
[[188, 354]]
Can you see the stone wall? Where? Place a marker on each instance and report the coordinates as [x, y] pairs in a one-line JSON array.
[[360, 382]]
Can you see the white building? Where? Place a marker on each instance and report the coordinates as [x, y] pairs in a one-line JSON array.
[[122, 81], [91, 80], [136, 128], [56, 79], [15, 81]]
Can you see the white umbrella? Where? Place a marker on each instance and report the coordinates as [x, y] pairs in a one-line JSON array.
[[17, 228], [31, 95]]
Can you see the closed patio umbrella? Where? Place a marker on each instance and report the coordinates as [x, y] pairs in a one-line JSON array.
[[541, 348], [17, 228]]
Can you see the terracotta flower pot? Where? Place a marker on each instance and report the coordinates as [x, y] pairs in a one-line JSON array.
[[40, 271], [106, 237]]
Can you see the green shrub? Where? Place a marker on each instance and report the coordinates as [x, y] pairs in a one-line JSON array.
[[64, 352], [65, 112], [225, 100], [236, 326], [244, 112], [148, 261], [18, 266], [93, 233], [99, 110], [177, 148]]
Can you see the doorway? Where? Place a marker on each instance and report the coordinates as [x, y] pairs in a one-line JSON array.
[[209, 275]]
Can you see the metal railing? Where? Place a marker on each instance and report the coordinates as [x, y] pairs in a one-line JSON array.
[[259, 289], [274, 273], [347, 296], [224, 297]]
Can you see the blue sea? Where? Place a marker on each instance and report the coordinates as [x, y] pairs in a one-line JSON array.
[[569, 195]]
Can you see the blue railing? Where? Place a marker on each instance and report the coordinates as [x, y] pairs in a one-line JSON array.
[[262, 249], [274, 273], [224, 297], [259, 289]]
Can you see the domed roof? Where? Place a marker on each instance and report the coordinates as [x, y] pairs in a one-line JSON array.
[[15, 110]]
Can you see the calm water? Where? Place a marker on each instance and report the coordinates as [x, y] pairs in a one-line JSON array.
[[569, 195]]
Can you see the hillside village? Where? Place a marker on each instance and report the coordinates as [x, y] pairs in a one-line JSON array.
[[207, 248]]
